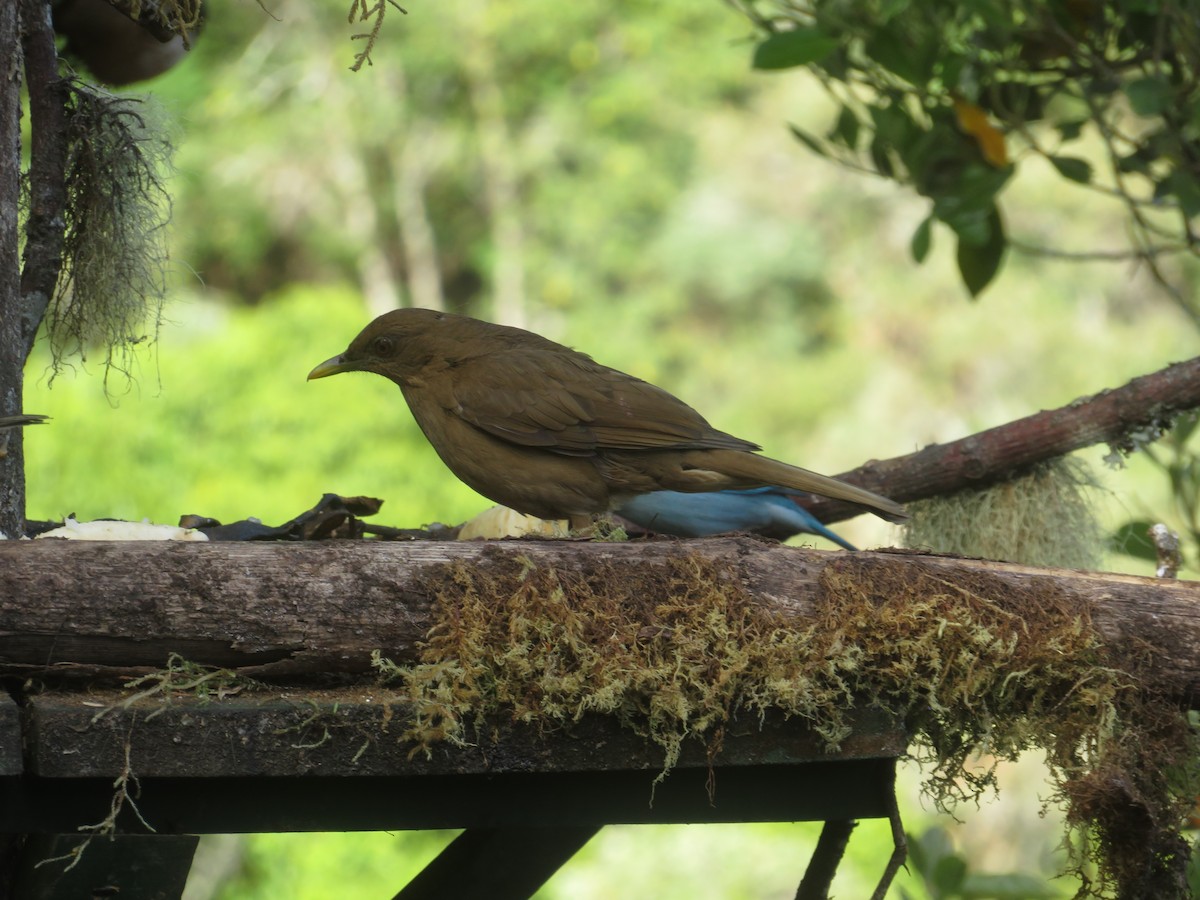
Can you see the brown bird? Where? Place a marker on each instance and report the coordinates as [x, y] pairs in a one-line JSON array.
[[548, 431]]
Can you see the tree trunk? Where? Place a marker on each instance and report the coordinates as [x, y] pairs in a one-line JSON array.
[[12, 346], [26, 289]]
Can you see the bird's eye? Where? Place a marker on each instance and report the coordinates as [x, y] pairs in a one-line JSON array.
[[383, 346]]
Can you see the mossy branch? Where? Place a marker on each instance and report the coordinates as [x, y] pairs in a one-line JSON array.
[[1126, 418], [373, 12]]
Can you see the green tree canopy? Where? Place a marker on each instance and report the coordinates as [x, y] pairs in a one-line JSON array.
[[950, 98]]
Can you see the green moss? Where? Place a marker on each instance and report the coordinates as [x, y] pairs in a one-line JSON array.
[[182, 677], [674, 649]]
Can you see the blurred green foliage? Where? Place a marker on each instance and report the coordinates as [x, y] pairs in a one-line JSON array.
[[334, 176], [665, 225], [222, 423], [947, 875], [317, 867]]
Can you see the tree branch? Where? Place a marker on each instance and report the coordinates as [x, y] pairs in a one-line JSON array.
[[1125, 417]]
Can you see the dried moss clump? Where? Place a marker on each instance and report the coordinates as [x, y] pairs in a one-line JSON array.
[[1043, 518], [674, 649]]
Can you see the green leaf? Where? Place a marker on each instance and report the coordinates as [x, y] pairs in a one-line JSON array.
[[808, 140], [922, 239], [979, 263], [1186, 191], [788, 49], [917, 857], [1150, 96], [1070, 131], [1184, 427], [1015, 886], [1137, 161], [930, 847], [912, 62], [847, 127], [1020, 100], [1133, 539], [891, 8], [880, 157], [1073, 168], [895, 127], [948, 875]]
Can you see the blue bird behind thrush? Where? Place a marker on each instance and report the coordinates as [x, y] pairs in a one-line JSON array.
[[769, 511]]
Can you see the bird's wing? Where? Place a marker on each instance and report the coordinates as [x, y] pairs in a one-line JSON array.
[[571, 405]]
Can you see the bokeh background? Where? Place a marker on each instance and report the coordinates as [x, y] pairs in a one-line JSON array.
[[616, 177]]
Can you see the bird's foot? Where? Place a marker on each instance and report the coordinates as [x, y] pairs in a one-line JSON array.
[[598, 528]]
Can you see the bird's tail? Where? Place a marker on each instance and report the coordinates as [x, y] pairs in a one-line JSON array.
[[747, 470]]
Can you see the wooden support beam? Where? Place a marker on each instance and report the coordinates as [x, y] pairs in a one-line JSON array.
[[10, 737], [496, 863], [152, 867], [295, 760], [852, 789], [831, 847], [355, 732]]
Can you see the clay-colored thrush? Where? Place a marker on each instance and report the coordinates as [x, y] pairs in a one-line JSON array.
[[541, 428]]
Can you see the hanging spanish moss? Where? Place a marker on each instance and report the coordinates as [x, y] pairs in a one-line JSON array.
[[110, 296], [1044, 518]]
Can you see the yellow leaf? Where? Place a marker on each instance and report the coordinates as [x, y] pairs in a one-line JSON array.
[[974, 121]]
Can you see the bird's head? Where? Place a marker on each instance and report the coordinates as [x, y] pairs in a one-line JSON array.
[[395, 345]]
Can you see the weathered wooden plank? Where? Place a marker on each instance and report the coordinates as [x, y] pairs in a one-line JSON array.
[[10, 737], [356, 732], [313, 609]]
